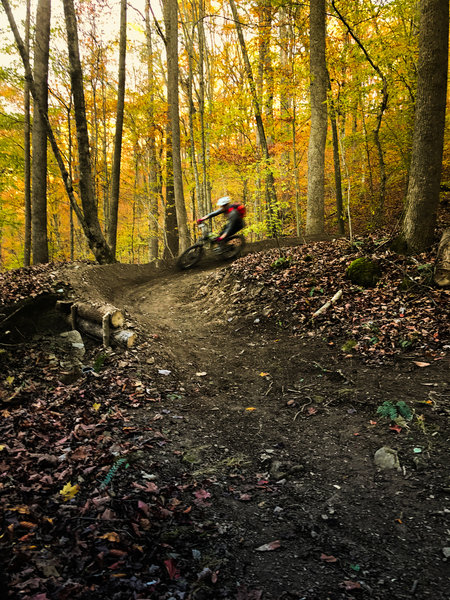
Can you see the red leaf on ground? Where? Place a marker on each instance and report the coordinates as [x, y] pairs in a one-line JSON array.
[[202, 494], [328, 558], [351, 585], [396, 428], [174, 573]]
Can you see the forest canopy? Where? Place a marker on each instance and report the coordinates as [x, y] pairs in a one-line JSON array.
[[243, 81]]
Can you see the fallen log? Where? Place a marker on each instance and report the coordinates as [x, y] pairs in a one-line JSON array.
[[442, 268], [120, 337], [97, 312]]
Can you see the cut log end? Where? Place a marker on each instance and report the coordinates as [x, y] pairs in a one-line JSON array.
[[119, 337], [96, 313]]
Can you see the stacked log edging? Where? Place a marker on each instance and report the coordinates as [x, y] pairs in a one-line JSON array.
[[103, 322]]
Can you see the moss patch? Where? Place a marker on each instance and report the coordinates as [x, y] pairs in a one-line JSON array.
[[364, 272]]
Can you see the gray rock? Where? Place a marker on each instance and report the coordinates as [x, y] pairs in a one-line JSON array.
[[386, 458], [74, 343]]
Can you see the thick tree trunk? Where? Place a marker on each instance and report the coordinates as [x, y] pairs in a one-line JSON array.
[[91, 230], [27, 150], [171, 23], [39, 240], [271, 197], [318, 134], [337, 162], [96, 240], [426, 160], [115, 179], [171, 246], [153, 191]]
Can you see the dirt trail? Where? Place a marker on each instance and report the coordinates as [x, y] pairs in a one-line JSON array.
[[280, 432]]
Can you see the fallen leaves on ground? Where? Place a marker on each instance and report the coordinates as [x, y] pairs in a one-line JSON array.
[[404, 313]]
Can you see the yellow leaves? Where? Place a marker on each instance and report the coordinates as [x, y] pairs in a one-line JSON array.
[[250, 408], [262, 374], [96, 406], [69, 491], [111, 536]]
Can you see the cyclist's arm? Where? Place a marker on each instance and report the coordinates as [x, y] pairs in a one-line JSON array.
[[219, 211]]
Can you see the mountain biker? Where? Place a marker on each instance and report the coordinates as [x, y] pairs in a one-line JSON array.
[[235, 218]]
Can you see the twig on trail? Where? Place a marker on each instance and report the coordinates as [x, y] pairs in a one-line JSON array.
[[304, 406], [327, 305], [303, 387], [269, 388]]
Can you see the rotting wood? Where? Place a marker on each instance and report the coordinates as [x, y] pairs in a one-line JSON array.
[[96, 313], [121, 337]]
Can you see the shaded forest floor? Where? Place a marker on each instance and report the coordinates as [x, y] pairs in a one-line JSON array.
[[229, 453]]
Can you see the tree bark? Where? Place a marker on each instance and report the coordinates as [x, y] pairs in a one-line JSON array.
[[96, 313], [27, 150], [153, 191], [271, 197], [337, 162], [171, 246], [170, 8], [428, 139], [318, 135], [39, 239], [115, 176], [96, 242]]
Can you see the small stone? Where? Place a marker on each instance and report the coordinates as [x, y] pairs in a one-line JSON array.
[[386, 458], [446, 552]]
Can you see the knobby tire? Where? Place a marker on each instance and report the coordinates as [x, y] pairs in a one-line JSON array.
[[234, 247], [190, 257]]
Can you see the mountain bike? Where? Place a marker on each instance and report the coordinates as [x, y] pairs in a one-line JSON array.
[[232, 248]]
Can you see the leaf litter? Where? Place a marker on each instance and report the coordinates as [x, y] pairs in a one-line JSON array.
[[80, 520]]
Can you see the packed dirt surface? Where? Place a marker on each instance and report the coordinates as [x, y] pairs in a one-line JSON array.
[[281, 432], [251, 445]]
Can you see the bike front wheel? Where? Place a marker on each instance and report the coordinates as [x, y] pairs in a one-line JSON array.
[[190, 257], [233, 247]]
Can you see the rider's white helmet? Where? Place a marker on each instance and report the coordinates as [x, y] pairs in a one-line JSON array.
[[223, 201]]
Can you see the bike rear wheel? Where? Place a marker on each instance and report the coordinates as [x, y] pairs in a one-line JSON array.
[[190, 257], [233, 247]]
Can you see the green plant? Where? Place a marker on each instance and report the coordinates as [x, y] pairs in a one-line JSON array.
[[281, 263], [99, 361], [395, 411]]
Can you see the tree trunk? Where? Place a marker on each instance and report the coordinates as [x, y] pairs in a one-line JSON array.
[[337, 162], [318, 134], [153, 192], [97, 242], [426, 161], [91, 230], [27, 151], [171, 246], [202, 52], [115, 176], [39, 240], [171, 23], [271, 197]]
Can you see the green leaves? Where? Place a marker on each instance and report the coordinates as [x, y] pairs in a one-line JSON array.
[[393, 411]]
